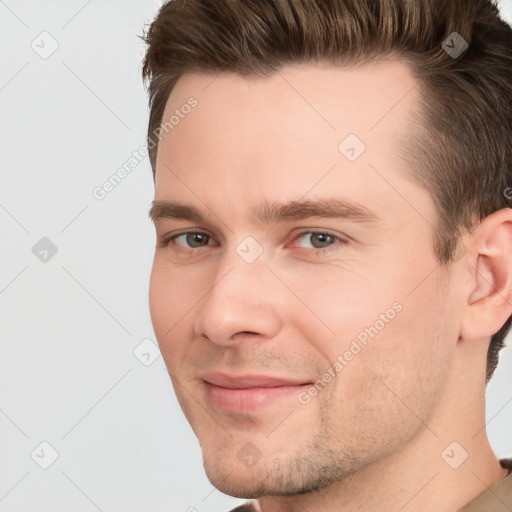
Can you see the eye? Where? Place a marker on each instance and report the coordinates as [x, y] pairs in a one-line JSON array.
[[320, 240], [191, 240]]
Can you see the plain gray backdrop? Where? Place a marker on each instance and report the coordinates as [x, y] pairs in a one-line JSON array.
[[88, 418]]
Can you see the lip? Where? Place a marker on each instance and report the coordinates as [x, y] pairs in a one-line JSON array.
[[226, 380], [249, 393]]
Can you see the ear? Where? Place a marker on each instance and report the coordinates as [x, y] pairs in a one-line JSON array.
[[489, 303]]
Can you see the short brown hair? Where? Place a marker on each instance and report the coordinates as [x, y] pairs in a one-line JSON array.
[[461, 148]]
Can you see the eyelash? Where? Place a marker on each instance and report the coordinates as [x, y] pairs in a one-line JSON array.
[[166, 240]]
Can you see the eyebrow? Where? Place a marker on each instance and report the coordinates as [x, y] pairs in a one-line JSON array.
[[270, 213]]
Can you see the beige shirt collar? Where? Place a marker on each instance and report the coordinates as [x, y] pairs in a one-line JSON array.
[[497, 498]]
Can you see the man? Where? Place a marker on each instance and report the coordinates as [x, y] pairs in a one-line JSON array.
[[332, 280]]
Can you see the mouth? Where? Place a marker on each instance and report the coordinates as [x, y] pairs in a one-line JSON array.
[[250, 393]]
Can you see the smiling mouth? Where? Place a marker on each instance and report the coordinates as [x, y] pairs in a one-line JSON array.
[[249, 393]]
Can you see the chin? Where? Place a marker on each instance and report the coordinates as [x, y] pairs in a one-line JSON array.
[[280, 478], [232, 482]]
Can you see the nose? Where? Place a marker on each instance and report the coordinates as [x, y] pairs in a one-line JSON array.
[[241, 302]]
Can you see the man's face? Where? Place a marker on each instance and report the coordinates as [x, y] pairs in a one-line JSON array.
[[249, 314]]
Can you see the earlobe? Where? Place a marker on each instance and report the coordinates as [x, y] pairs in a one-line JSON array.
[[489, 303]]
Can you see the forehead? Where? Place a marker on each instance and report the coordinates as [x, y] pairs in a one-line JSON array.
[[285, 133], [298, 104], [332, 94]]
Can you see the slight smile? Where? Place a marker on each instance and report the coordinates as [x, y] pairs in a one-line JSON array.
[[249, 393]]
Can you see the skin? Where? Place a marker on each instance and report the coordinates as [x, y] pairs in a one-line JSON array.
[[373, 437]]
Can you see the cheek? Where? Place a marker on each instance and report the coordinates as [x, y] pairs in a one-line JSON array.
[[339, 306], [158, 300], [405, 336], [169, 302], [404, 367], [389, 391]]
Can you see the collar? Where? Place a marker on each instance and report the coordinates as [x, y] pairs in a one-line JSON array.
[[497, 498]]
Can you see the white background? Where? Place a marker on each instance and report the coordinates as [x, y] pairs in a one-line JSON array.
[[69, 326]]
